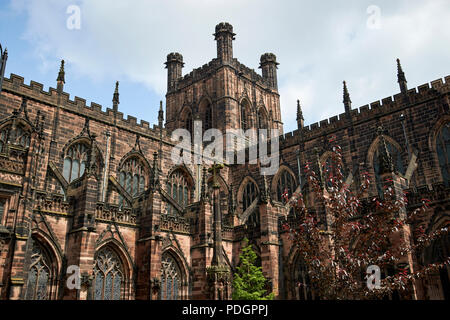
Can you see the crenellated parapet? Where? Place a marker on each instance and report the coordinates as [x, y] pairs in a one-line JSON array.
[[35, 91], [372, 111]]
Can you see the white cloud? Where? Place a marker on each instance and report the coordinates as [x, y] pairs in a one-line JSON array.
[[317, 44]]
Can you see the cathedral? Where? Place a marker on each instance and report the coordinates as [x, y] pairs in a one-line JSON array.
[[82, 189]]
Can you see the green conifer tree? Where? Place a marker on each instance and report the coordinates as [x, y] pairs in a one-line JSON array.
[[249, 282]]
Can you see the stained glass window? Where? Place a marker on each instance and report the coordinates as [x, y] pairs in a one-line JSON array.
[[302, 281], [39, 274], [132, 178], [262, 120], [178, 189], [249, 195], [244, 119], [170, 278], [286, 183], [396, 158], [208, 117], [109, 277], [443, 152], [18, 137], [75, 162]]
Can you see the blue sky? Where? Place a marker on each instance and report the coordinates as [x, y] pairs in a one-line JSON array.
[[318, 46]]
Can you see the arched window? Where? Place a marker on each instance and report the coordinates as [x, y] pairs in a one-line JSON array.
[[75, 161], [332, 169], [249, 195], [19, 137], [208, 117], [286, 183], [188, 123], [262, 120], [171, 279], [4, 134], [396, 159], [439, 253], [132, 178], [2, 209], [245, 121], [443, 152], [109, 278], [178, 189], [39, 274], [303, 288]]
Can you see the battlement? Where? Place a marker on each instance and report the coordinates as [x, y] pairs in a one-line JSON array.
[[35, 91], [209, 68], [375, 109]]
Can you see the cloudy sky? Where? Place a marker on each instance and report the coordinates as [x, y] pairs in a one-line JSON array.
[[318, 44]]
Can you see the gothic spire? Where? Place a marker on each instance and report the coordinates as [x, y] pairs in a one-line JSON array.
[[401, 78], [300, 119], [347, 101], [116, 98]]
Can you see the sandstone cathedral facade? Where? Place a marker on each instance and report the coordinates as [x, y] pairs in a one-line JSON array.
[[84, 187]]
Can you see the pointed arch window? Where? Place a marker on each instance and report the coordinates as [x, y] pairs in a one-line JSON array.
[[443, 152], [244, 117], [262, 120], [132, 178], [19, 137], [171, 279], [4, 134], [2, 209], [249, 195], [178, 188], [332, 168], [75, 161], [208, 117], [39, 274], [109, 277], [188, 123], [396, 159], [286, 183], [303, 287]]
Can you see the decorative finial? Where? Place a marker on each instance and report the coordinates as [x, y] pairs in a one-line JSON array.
[[401, 78], [300, 119], [347, 101], [116, 97], [61, 74], [161, 114]]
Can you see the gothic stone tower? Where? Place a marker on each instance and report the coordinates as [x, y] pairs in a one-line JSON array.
[[223, 94]]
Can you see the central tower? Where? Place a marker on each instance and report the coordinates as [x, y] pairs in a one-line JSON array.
[[223, 94]]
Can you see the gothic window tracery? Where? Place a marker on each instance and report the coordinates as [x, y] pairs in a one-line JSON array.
[[108, 276], [19, 137], [262, 120], [171, 279], [208, 117], [249, 195], [443, 152], [245, 121], [39, 274], [178, 188], [303, 288], [75, 161], [396, 159], [286, 183], [132, 178]]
